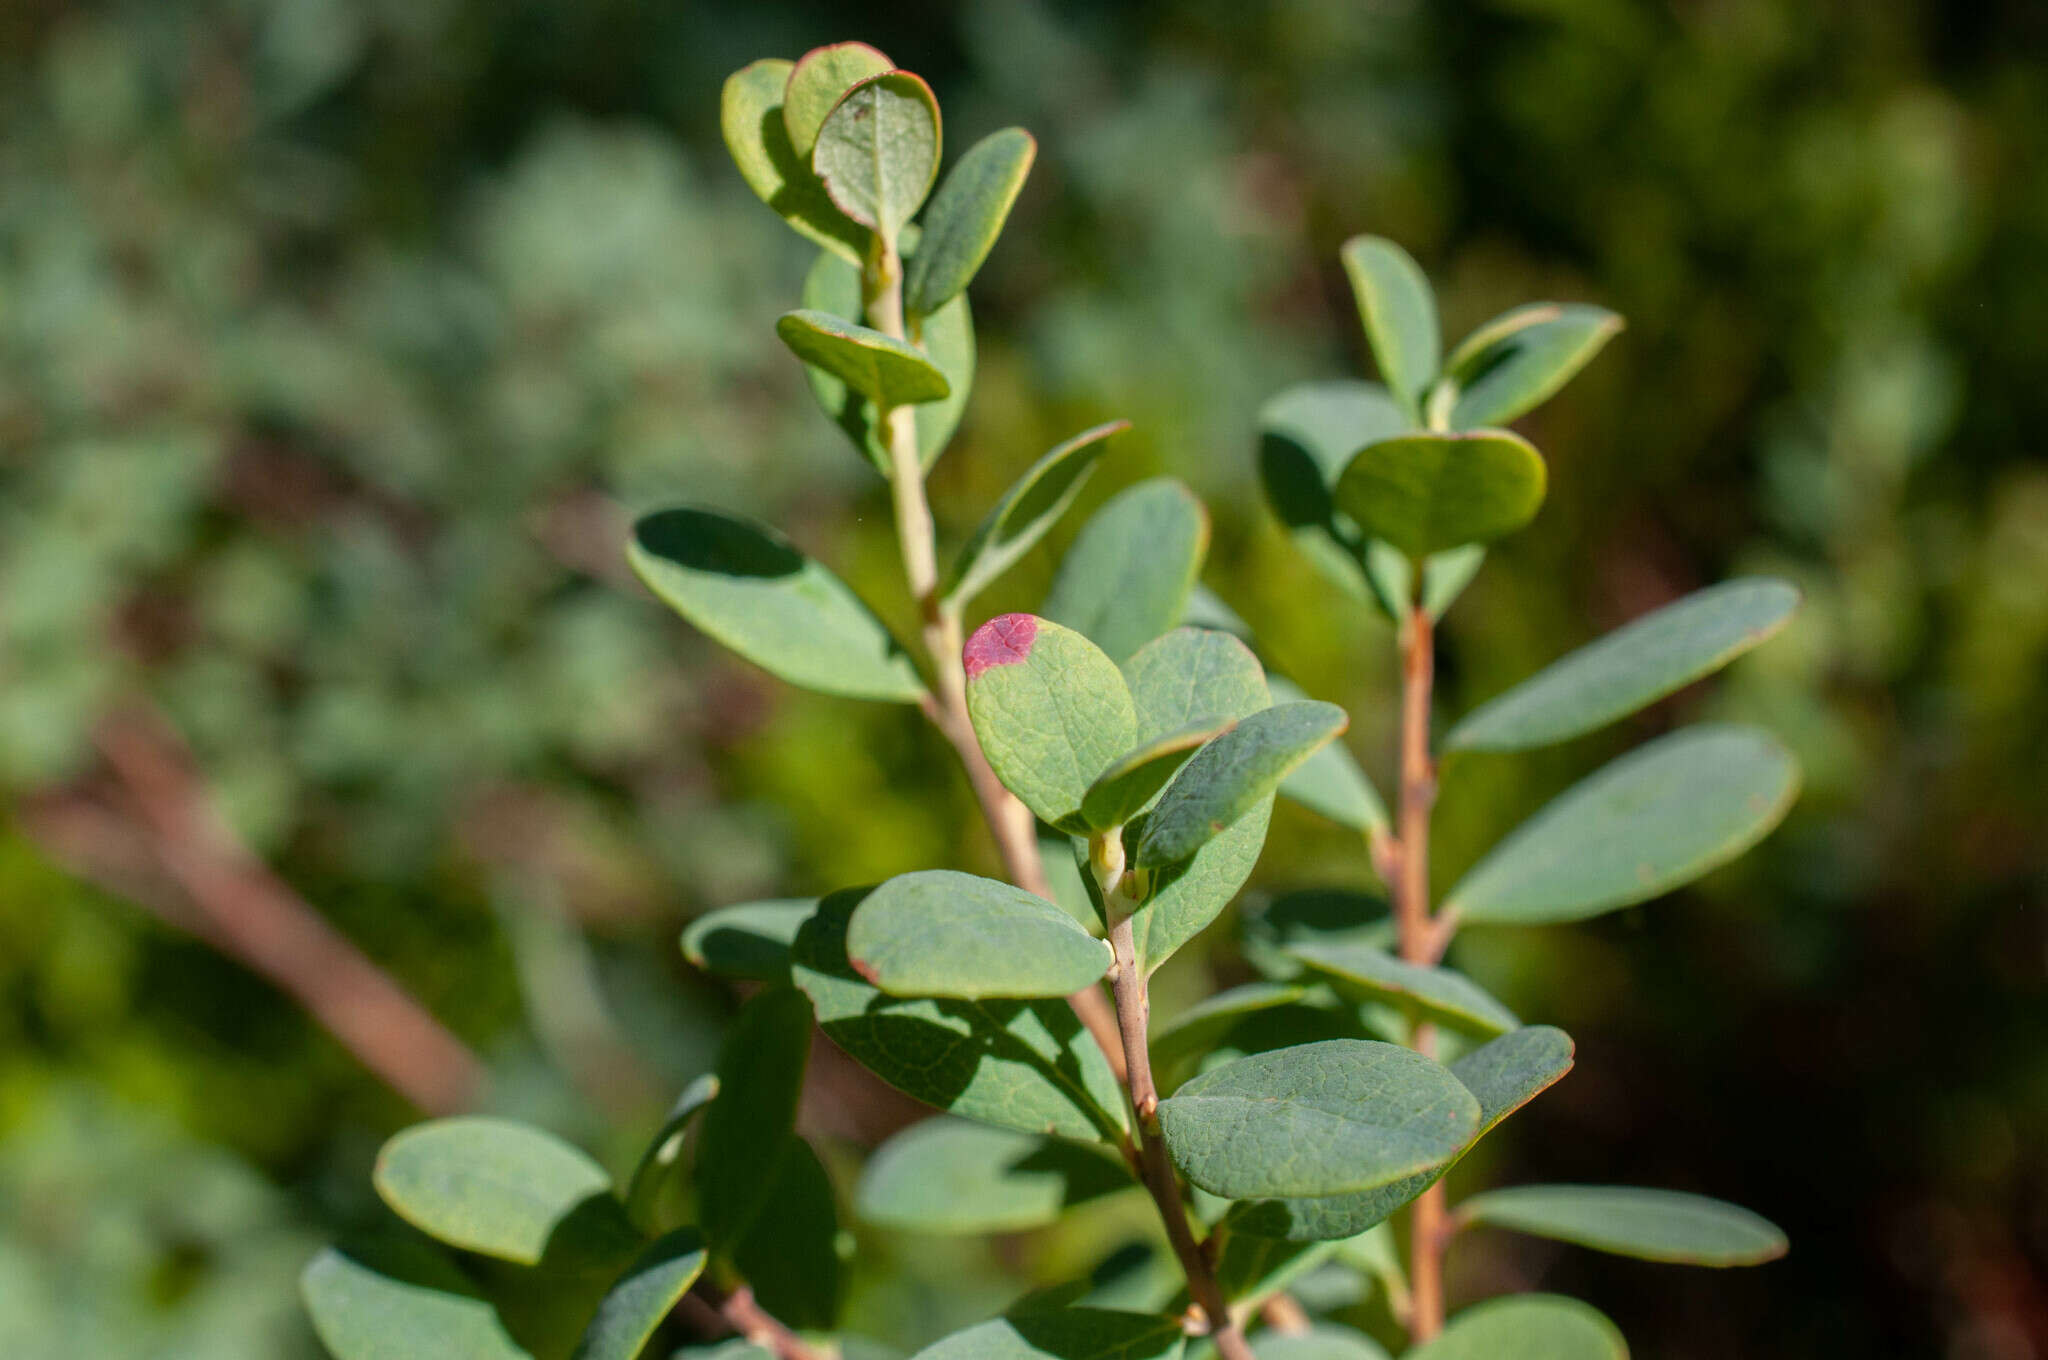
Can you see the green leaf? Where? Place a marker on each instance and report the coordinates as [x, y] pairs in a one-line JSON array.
[[1193, 677], [1516, 362], [749, 588], [1123, 790], [1230, 776], [1513, 1070], [938, 932], [1311, 916], [1016, 1064], [1185, 897], [665, 1150], [1330, 781], [1027, 510], [1323, 1341], [1527, 1327], [1318, 1119], [487, 1185], [636, 1306], [1649, 822], [404, 1299], [750, 116], [1127, 578], [885, 370], [1655, 1225], [1435, 995], [819, 80], [953, 1178], [1399, 313], [1633, 666], [747, 940], [760, 1075], [1251, 1269], [1051, 710], [1425, 493], [1063, 1334], [946, 338], [878, 151], [966, 216], [1445, 576], [1307, 434], [1204, 1023], [789, 1254]]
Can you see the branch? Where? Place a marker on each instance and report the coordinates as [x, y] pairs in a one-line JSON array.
[[750, 1320]]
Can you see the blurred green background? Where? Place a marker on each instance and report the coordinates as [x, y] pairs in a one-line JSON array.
[[340, 338]]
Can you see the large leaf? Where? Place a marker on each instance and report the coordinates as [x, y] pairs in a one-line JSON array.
[[1630, 667], [665, 1150], [951, 1177], [1656, 1225], [819, 80], [1185, 897], [1438, 995], [966, 216], [1193, 677], [885, 370], [1317, 1119], [789, 1254], [878, 151], [487, 1185], [1330, 781], [1649, 822], [1323, 1341], [938, 932], [1426, 493], [747, 940], [748, 587], [1027, 510], [1233, 774], [1399, 312], [760, 1075], [1063, 1334], [1051, 710], [1127, 578], [1123, 790], [1515, 362], [636, 1306], [1527, 1327], [750, 116], [1025, 1065], [403, 1299]]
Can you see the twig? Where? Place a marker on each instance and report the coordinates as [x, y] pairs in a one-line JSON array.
[[742, 1314]]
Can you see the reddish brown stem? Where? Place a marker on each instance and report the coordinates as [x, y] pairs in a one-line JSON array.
[[741, 1313]]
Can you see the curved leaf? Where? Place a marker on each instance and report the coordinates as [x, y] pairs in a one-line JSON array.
[[885, 370], [665, 1149], [1193, 677], [487, 1185], [878, 151], [1655, 1225], [966, 216], [938, 932], [1127, 578], [750, 116], [1399, 312], [635, 1307], [1527, 1327], [1185, 897], [760, 1076], [404, 1299], [1426, 493], [951, 1177], [1517, 361], [1027, 510], [1123, 790], [1439, 995], [1051, 711], [818, 81], [748, 939], [1231, 775]]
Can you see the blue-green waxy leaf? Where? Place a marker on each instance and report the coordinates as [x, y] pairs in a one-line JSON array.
[[789, 1254], [1654, 820], [1123, 790], [747, 940], [1063, 1334], [1323, 1341], [1330, 781], [1399, 312], [1227, 778], [885, 370], [1526, 1327], [665, 1149], [938, 932], [1630, 667], [403, 1299], [1031, 506], [760, 1075], [878, 151], [751, 589], [947, 339], [951, 1177], [1515, 362], [1318, 1119], [1426, 493], [1654, 1225], [750, 116], [966, 216], [1434, 995], [1051, 711], [1127, 578], [818, 81], [1193, 677], [486, 1185], [1024, 1065], [1513, 1070], [1186, 896], [634, 1308]]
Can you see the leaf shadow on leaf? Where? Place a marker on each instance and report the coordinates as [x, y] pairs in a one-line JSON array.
[[714, 543], [802, 193], [545, 1306]]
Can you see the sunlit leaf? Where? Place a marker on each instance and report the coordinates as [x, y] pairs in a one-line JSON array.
[[1435, 995], [1231, 775], [941, 933], [818, 81], [1399, 312], [747, 940], [1051, 710], [885, 370], [878, 151], [952, 1177], [1123, 790], [1127, 578], [1031, 506], [401, 1300], [965, 217], [1656, 1225], [750, 115], [1526, 1327], [1516, 362], [1426, 493], [634, 1308], [488, 1185]]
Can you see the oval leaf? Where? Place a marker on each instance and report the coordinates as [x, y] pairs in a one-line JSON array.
[[486, 1185], [1127, 578], [1439, 995], [878, 151], [1132, 779], [1051, 711], [1426, 493], [1655, 1225], [818, 81], [1063, 1334], [1633, 666], [1649, 822], [634, 1308], [1527, 1327], [1193, 677], [1185, 897], [1317, 1119], [750, 116], [748, 940], [885, 370], [946, 338], [1230, 776], [938, 932], [1399, 312], [949, 1177], [1513, 1070], [1517, 361], [403, 1299], [1027, 510], [966, 216]]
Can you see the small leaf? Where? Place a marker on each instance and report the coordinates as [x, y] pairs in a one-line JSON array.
[[1434, 995], [750, 115], [878, 151], [885, 370], [966, 216], [1527, 1327], [1123, 790], [1654, 820], [1127, 578], [1230, 776], [749, 588], [1426, 493], [1202, 1024], [748, 940], [1027, 510], [1016, 1064], [1323, 1341], [1330, 781], [1513, 1070], [665, 1150], [636, 1306], [1187, 896], [789, 1254], [1633, 666], [1399, 313], [1655, 1225], [952, 1178], [1515, 362], [1051, 710], [486, 1185], [760, 1075], [819, 80], [1193, 677], [938, 932], [1317, 1119], [1063, 1334], [403, 1299]]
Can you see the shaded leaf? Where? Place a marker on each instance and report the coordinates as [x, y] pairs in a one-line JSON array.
[[938, 932], [1127, 578], [1330, 781], [885, 370], [747, 940], [1311, 916], [1193, 677], [665, 1149], [1516, 362], [789, 1254], [1323, 1341], [966, 216], [1063, 1334], [634, 1308], [1185, 897], [1123, 790], [1307, 433], [878, 151], [1655, 1225], [1051, 711], [402, 1299], [1426, 493], [760, 1075], [818, 81], [952, 1177], [1027, 510], [1527, 1327], [750, 116], [1439, 995], [1399, 312], [1208, 1020], [1227, 778], [491, 1186]]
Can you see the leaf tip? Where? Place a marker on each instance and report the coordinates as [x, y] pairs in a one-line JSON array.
[[1002, 641]]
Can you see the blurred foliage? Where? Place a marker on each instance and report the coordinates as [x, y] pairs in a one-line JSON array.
[[338, 339]]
